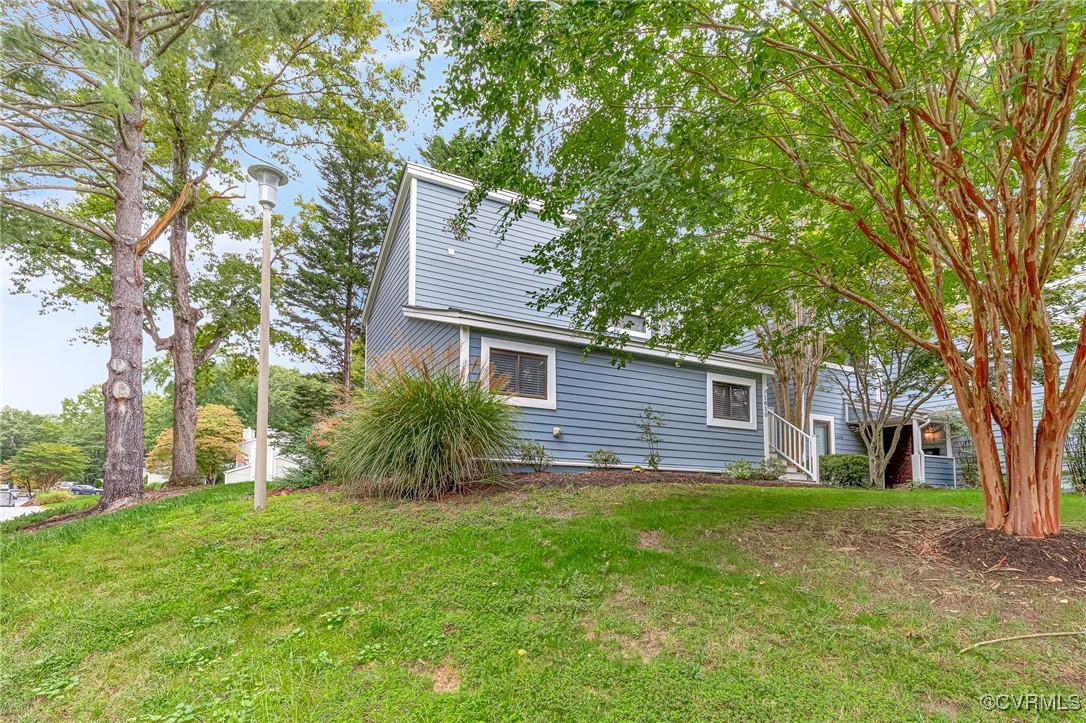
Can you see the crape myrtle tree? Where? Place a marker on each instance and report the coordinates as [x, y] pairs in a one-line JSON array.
[[792, 337], [338, 239], [884, 377], [689, 137]]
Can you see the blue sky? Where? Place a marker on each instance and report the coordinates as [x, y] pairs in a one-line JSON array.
[[41, 360]]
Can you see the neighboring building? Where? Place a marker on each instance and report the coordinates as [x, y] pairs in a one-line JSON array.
[[471, 296], [278, 465]]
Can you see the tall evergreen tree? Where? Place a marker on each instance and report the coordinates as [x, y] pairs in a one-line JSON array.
[[337, 249], [460, 154]]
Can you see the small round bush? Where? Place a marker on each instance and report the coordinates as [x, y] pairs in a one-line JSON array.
[[844, 470], [52, 497], [420, 431], [604, 458]]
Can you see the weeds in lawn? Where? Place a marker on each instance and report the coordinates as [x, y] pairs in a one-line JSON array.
[[651, 602]]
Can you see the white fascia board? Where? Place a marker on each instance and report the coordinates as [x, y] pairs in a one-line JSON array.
[[405, 199], [398, 206], [412, 236], [460, 183], [558, 334]]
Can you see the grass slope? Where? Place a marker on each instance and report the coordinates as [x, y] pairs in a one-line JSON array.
[[659, 603], [57, 508]]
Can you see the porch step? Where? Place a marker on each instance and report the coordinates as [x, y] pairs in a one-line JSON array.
[[795, 476]]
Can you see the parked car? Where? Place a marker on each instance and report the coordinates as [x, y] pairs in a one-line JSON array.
[[85, 490]]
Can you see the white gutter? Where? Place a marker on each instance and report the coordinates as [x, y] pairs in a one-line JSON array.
[[558, 334]]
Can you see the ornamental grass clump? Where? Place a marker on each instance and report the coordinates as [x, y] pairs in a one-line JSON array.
[[420, 431]]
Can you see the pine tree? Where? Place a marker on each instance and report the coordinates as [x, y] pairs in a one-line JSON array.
[[337, 250]]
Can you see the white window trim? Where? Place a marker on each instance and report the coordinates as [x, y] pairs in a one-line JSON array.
[[712, 421], [831, 443], [640, 335], [551, 402]]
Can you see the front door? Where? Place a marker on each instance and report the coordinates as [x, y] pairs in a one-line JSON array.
[[822, 437]]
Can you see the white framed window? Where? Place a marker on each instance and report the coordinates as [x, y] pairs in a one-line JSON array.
[[523, 373], [635, 325], [730, 401]]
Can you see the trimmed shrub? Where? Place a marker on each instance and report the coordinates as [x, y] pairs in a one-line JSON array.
[[534, 455], [300, 478], [740, 469], [604, 459], [420, 431], [52, 497], [845, 470], [772, 468]]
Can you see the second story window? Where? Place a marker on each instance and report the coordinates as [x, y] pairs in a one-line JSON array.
[[636, 325]]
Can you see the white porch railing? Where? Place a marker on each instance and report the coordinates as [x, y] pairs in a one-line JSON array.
[[793, 444]]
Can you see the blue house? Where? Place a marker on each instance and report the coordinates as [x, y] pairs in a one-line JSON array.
[[471, 296]]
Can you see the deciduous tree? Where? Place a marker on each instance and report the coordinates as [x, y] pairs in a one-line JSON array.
[[19, 427], [885, 378], [218, 431], [247, 73], [690, 137], [72, 86], [43, 464]]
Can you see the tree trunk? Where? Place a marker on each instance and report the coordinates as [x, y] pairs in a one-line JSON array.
[[123, 390], [347, 330], [183, 472]]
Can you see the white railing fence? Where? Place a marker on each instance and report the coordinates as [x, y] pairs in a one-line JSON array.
[[792, 443]]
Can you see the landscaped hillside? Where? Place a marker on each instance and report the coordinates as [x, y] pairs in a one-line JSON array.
[[644, 602]]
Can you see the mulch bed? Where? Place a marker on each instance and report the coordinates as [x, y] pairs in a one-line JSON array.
[[619, 477], [1059, 558]]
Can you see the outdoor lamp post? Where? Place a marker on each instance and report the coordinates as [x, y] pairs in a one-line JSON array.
[[269, 179]]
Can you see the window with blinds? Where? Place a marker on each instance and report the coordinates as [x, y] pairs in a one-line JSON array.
[[731, 401], [518, 374]]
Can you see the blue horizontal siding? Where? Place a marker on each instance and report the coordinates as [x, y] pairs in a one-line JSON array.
[[598, 406], [386, 328], [939, 471], [485, 273], [829, 401]]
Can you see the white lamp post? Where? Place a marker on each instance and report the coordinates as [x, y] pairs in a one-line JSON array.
[[269, 179]]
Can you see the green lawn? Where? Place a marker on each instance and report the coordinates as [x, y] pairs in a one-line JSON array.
[[645, 603], [57, 508]]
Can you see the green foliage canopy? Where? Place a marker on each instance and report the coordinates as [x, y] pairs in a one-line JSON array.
[[218, 431], [43, 464]]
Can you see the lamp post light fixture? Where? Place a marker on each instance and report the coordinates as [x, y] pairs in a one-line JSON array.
[[269, 179]]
